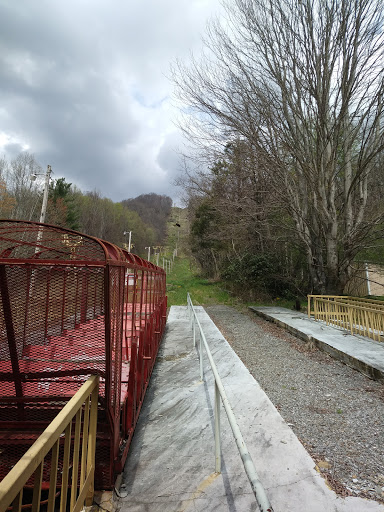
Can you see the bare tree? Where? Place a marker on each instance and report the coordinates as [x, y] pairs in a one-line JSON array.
[[26, 193], [301, 81]]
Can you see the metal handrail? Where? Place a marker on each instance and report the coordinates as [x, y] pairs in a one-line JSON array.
[[353, 301], [257, 488], [354, 314], [11, 487]]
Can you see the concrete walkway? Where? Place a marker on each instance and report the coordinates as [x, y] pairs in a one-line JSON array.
[[359, 352], [171, 462]]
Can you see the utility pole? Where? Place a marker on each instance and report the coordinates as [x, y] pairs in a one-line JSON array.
[[42, 219], [45, 195]]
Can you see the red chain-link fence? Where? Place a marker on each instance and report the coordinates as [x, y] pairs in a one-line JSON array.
[[72, 306]]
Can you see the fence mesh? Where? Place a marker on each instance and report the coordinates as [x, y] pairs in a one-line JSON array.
[[72, 306]]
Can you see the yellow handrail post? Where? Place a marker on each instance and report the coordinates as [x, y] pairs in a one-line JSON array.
[[53, 478], [32, 462], [92, 443]]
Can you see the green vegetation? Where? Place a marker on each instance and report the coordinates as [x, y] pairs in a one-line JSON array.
[[184, 278], [187, 275]]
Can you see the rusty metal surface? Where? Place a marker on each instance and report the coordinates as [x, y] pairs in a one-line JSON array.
[[72, 306]]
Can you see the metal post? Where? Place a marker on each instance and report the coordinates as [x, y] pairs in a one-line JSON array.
[[217, 429], [45, 195], [258, 490], [149, 253], [129, 239], [367, 278], [43, 209], [201, 357]]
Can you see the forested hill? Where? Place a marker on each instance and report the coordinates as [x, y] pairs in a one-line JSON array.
[[154, 210]]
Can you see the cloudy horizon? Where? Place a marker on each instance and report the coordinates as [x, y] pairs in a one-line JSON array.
[[84, 88]]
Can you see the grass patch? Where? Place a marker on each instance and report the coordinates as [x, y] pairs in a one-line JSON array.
[[184, 278]]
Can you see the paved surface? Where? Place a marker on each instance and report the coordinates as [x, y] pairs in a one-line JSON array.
[[361, 353], [171, 462]]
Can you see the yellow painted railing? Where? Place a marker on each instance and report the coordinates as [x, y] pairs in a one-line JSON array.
[[357, 315], [79, 453]]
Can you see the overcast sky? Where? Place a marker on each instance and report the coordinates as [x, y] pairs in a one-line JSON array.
[[83, 87]]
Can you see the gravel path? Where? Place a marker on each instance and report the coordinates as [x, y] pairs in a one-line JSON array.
[[335, 411]]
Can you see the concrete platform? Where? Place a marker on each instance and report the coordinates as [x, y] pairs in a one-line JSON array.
[[170, 467], [357, 351]]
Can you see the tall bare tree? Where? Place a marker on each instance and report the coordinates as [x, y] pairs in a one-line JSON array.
[[301, 82], [17, 175]]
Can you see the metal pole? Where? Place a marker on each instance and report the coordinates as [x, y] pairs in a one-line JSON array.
[[149, 253], [45, 195], [201, 354], [367, 277], [129, 239], [217, 429], [257, 488], [190, 310], [42, 219]]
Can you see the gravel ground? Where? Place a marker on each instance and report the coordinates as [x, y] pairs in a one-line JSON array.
[[335, 411]]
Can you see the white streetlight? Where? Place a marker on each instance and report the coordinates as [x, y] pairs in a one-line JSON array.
[[129, 239]]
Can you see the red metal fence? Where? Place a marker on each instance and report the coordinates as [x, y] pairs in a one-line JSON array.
[[72, 306]]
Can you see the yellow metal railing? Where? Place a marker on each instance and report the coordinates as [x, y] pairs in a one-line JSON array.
[[357, 315], [79, 453]]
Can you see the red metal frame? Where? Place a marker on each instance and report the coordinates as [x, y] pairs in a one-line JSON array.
[[71, 306]]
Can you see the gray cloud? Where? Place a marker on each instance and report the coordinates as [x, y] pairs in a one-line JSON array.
[[83, 86]]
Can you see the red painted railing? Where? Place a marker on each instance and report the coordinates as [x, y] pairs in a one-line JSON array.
[[72, 306]]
